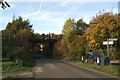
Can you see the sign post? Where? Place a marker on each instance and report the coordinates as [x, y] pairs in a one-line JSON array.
[[115, 39], [109, 42]]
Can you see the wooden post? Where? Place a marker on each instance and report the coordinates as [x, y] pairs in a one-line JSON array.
[[19, 61], [14, 36], [8, 56], [9, 36], [4, 36], [21, 37]]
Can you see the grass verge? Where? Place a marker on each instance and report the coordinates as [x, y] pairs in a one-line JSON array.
[[9, 66], [110, 69]]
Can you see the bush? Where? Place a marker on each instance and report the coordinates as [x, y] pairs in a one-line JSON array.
[[18, 53], [21, 53], [29, 61], [114, 54]]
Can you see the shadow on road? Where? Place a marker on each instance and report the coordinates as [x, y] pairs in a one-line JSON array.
[[38, 56]]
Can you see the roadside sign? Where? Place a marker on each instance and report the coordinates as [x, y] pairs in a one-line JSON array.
[[109, 42], [106, 42], [115, 39]]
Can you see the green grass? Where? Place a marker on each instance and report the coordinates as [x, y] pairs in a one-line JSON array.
[[0, 67], [110, 69], [11, 66], [5, 60]]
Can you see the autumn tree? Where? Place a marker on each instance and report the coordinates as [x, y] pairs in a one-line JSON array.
[[69, 25], [118, 44], [103, 26], [81, 27], [72, 45]]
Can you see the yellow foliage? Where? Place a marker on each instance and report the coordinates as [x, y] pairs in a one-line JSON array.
[[98, 26]]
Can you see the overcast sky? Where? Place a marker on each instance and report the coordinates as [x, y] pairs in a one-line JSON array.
[[50, 15]]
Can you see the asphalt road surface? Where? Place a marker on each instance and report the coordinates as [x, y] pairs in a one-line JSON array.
[[50, 68], [46, 68]]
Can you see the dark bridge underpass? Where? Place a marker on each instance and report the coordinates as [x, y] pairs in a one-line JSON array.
[[47, 50]]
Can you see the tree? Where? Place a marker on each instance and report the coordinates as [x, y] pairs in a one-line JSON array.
[[118, 43], [69, 25], [37, 36], [103, 26], [78, 27], [19, 27], [42, 36], [72, 45], [81, 27], [22, 30]]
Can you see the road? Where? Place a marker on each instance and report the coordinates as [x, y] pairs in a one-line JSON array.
[[49, 68]]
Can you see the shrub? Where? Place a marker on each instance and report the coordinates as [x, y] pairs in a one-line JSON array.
[[28, 61], [18, 53], [113, 53], [21, 53]]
